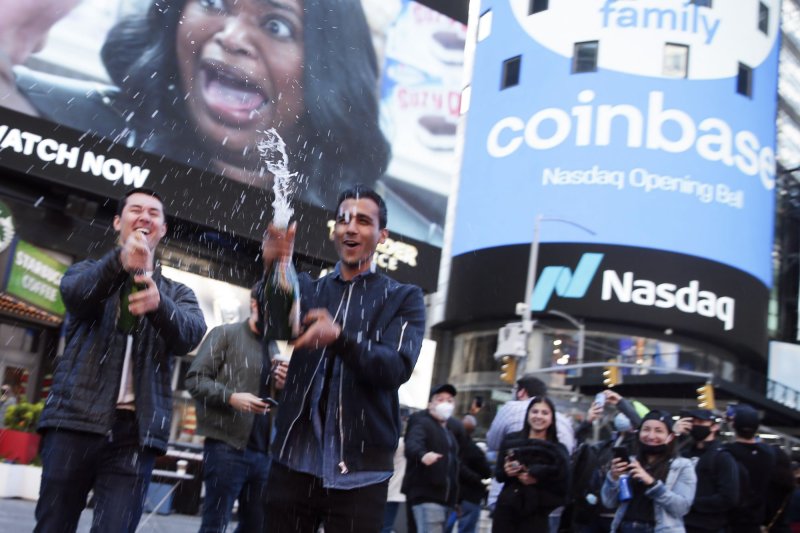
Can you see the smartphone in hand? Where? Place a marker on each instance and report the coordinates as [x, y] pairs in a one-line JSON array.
[[511, 460], [621, 453], [272, 402], [600, 399]]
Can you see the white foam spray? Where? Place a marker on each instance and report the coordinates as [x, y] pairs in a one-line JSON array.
[[273, 154]]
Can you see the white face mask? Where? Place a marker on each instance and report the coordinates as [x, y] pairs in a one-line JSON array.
[[444, 410]]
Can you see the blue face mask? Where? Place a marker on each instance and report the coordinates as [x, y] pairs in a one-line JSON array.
[[622, 423]]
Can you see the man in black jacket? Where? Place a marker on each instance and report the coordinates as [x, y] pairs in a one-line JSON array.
[[432, 469], [339, 421], [756, 462], [108, 413], [717, 473]]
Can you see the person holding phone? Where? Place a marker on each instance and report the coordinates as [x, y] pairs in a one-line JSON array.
[[230, 381], [662, 486], [534, 467]]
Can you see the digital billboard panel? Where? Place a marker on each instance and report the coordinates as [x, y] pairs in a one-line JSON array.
[[176, 95], [650, 122]]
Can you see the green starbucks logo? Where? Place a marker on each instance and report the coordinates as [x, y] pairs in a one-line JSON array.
[[6, 227]]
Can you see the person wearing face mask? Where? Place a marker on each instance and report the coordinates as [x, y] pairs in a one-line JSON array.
[[229, 379], [591, 463], [431, 480], [653, 490], [717, 473]]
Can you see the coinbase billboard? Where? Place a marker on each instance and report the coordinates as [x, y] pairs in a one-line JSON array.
[[651, 122]]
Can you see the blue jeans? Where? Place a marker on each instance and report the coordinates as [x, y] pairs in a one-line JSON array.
[[470, 513], [430, 517], [390, 516], [467, 522], [115, 466], [231, 474]]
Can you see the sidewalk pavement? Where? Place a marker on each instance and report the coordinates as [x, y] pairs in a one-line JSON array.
[[16, 516]]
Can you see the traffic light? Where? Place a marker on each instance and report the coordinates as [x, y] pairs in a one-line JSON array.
[[508, 369], [611, 375], [705, 397]]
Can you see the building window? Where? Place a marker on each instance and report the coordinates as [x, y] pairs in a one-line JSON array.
[[744, 81], [585, 57], [763, 18], [702, 3], [511, 72], [676, 60], [537, 6], [485, 25]]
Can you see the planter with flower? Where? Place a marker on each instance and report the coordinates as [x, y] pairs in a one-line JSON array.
[[19, 447], [19, 442]]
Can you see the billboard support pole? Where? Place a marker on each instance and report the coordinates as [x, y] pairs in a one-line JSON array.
[[527, 323]]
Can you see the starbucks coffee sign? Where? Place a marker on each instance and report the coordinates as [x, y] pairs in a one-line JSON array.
[[34, 277]]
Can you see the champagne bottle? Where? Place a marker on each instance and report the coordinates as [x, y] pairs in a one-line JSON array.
[[283, 302]]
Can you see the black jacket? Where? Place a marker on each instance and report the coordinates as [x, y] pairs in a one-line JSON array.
[[383, 325], [547, 461], [87, 376], [758, 461], [717, 487], [474, 469], [438, 482]]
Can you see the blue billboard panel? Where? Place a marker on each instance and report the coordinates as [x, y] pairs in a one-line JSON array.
[[650, 122]]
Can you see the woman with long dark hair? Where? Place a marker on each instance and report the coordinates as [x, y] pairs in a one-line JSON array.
[[534, 468], [653, 490], [204, 78], [200, 81]]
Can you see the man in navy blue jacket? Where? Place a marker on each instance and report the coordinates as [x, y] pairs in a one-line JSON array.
[[339, 422], [108, 413]]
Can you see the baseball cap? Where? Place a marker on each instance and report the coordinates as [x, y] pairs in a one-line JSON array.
[[745, 417], [700, 414], [444, 387], [661, 416]]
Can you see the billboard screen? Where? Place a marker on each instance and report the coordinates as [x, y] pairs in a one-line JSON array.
[[176, 95], [642, 132], [650, 122]]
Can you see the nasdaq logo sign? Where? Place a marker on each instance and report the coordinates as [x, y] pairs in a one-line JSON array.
[[564, 282]]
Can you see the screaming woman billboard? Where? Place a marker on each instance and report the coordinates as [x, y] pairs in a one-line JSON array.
[[651, 123], [176, 95]]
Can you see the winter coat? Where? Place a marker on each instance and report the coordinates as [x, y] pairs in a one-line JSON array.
[[87, 377], [547, 461], [437, 482], [229, 360], [383, 323], [671, 499]]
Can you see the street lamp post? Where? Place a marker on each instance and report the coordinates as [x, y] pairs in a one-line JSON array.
[[527, 323]]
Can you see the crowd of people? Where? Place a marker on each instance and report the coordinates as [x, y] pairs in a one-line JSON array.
[[329, 457], [326, 460], [655, 473]]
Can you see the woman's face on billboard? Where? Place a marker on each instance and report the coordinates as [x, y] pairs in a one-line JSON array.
[[241, 64]]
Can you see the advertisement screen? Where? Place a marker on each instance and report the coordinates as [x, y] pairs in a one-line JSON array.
[[177, 95], [650, 123]]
